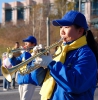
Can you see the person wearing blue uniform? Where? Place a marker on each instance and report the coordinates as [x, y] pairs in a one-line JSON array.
[[27, 82], [72, 74]]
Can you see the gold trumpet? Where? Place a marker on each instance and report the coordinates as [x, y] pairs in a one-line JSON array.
[[7, 73], [9, 50]]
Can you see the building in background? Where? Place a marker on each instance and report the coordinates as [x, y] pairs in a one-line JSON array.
[[14, 11], [90, 9], [20, 10]]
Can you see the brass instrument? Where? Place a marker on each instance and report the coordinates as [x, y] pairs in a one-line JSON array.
[[7, 73], [9, 50]]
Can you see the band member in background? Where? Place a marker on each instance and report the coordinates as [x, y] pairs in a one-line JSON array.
[[15, 54], [72, 74], [26, 84], [16, 46], [6, 63]]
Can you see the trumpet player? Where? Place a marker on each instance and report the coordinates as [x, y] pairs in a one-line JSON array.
[[26, 83], [72, 74], [16, 46], [15, 54]]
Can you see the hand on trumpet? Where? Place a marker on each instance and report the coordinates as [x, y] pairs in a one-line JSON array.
[[36, 49], [43, 60], [10, 54]]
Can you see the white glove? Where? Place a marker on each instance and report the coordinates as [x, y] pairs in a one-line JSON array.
[[38, 47], [43, 60], [35, 49], [10, 55]]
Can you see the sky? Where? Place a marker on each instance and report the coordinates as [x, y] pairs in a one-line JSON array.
[[5, 1]]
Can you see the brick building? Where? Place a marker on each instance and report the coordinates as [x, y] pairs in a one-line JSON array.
[[20, 10]]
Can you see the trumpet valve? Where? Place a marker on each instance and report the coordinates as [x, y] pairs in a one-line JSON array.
[[9, 50]]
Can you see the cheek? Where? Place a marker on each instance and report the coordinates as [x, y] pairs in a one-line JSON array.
[[26, 45], [29, 45], [72, 33], [73, 36]]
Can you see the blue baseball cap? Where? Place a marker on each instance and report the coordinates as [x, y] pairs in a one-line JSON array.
[[31, 39], [72, 18]]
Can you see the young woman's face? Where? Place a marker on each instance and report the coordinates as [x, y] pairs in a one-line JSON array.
[[28, 44], [70, 33]]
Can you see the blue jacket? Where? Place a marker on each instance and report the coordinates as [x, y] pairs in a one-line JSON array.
[[35, 77], [97, 72], [76, 78], [23, 79]]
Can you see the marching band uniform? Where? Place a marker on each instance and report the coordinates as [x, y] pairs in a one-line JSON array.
[[26, 83], [15, 54], [72, 74]]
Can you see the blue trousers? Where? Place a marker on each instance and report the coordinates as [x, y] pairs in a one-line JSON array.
[[6, 84]]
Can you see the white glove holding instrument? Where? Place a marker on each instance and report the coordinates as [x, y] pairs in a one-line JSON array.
[[10, 54], [36, 49], [43, 60]]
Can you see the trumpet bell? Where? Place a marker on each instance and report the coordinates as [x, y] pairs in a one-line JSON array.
[[7, 73]]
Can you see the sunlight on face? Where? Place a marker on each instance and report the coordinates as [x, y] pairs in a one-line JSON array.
[[28, 44], [70, 33]]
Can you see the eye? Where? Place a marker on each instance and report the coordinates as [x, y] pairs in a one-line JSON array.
[[66, 26], [60, 26]]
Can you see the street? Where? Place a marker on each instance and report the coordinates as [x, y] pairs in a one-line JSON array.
[[96, 94], [14, 95]]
